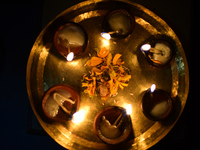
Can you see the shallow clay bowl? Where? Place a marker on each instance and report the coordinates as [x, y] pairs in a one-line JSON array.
[[73, 106], [157, 105], [112, 113], [123, 22], [79, 33]]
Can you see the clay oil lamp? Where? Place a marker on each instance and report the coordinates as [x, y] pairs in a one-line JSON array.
[[156, 103], [70, 40], [113, 124], [117, 24], [158, 53], [60, 102]]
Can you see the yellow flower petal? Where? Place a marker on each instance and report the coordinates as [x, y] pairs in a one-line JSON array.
[[109, 59], [95, 61], [103, 53], [116, 58]]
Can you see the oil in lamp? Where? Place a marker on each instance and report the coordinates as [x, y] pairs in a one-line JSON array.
[[117, 24], [70, 40], [60, 102], [156, 103], [113, 124], [158, 53]]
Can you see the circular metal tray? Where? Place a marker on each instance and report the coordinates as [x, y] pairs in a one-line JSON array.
[[46, 68]]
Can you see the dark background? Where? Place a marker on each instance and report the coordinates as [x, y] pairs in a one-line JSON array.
[[20, 24]]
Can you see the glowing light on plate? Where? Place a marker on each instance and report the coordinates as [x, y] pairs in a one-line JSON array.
[[128, 109], [152, 88], [106, 35], [145, 47], [70, 56], [105, 43], [78, 116]]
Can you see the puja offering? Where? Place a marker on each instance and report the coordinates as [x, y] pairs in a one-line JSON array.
[[118, 23], [156, 103], [112, 125], [158, 53], [70, 40], [60, 102], [101, 96], [107, 75]]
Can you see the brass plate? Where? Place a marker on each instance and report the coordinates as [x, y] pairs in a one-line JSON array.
[[46, 68]]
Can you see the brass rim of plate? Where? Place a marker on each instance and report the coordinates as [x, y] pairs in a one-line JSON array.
[[46, 68]]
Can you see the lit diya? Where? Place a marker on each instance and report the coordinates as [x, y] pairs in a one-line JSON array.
[[60, 102], [113, 125], [70, 40], [118, 24], [156, 103], [158, 53]]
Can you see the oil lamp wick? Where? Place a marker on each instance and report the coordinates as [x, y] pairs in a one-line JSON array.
[[147, 47], [70, 55], [107, 35], [123, 113], [55, 97], [117, 31], [116, 123]]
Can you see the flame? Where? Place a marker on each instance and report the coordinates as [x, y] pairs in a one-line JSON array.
[[106, 35], [152, 88], [70, 56], [78, 116], [105, 43], [145, 47], [128, 109]]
